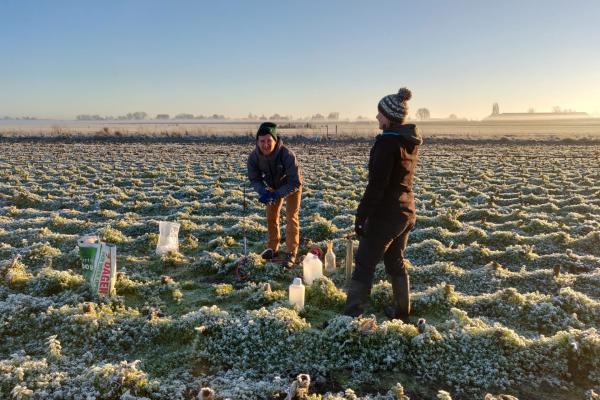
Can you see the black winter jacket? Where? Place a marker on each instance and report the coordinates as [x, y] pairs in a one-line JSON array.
[[279, 171], [392, 164]]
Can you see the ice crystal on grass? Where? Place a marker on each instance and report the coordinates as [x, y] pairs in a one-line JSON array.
[[54, 347], [49, 281], [324, 293], [14, 274], [113, 380], [381, 294], [25, 199], [174, 259], [320, 229], [112, 236], [482, 257], [39, 252]]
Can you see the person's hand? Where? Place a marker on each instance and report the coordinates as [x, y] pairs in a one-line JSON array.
[[274, 197], [268, 197], [265, 197], [359, 226]]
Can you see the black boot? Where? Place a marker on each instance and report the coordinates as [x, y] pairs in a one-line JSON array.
[[268, 254], [358, 297], [288, 260], [401, 298]]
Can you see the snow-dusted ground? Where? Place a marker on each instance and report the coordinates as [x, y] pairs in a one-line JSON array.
[[504, 259]]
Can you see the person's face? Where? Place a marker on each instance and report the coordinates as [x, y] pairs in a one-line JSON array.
[[384, 123], [266, 144]]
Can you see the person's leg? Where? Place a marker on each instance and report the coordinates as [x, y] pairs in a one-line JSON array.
[[396, 269], [273, 224], [372, 246], [292, 227]]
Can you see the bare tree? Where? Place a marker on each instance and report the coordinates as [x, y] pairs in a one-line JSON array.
[[139, 115], [423, 114], [495, 109]]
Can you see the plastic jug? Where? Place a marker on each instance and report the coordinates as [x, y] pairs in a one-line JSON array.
[[296, 295], [329, 259], [312, 268]]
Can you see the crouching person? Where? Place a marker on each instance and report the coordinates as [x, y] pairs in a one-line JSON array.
[[386, 213], [274, 172]]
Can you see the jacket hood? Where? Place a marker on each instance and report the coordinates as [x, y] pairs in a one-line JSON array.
[[408, 132], [273, 154]]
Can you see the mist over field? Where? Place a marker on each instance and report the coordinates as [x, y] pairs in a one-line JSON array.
[[535, 129]]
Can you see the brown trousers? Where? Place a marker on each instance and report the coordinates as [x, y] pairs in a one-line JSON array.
[[292, 224]]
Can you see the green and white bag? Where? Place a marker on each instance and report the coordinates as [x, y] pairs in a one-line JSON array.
[[99, 263]]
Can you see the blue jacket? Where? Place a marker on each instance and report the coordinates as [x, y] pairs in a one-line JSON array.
[[279, 171]]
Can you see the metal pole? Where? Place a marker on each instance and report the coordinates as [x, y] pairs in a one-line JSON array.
[[244, 222]]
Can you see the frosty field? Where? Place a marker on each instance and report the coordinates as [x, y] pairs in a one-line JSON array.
[[505, 269]]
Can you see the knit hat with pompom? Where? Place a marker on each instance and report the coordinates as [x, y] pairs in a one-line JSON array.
[[394, 106]]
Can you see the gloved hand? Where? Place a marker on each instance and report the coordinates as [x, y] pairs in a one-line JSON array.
[[268, 197], [359, 225], [274, 197], [264, 196]]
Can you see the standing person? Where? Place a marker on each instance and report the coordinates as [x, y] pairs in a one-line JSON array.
[[274, 172], [386, 213]]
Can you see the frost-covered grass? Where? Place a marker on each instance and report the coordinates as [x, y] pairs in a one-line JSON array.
[[504, 266]]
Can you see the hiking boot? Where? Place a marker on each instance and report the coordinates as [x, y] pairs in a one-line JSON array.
[[268, 254], [400, 308], [390, 312], [288, 260], [358, 297]]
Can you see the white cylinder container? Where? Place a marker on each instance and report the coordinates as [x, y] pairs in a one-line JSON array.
[[312, 268], [296, 294]]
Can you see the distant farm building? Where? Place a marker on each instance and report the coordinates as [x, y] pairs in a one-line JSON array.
[[537, 115], [532, 115]]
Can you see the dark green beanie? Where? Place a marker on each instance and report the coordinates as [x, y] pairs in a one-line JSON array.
[[267, 128]]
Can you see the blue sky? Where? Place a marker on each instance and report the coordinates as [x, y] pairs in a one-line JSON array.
[[63, 58]]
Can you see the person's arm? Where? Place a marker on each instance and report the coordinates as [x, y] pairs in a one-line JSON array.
[[255, 175], [292, 172], [382, 160]]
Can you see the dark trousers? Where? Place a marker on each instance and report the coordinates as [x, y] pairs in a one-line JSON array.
[[385, 238]]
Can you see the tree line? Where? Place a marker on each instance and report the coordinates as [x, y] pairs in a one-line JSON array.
[[141, 115]]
